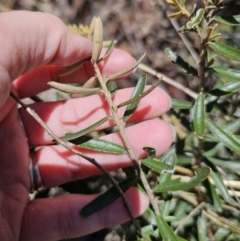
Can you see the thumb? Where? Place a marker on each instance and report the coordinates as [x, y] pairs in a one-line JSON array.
[[32, 39]]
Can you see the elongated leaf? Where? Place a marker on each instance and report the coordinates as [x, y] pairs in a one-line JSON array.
[[223, 136], [106, 198], [233, 20], [177, 184], [109, 50], [155, 84], [225, 50], [202, 228], [196, 20], [165, 230], [138, 90], [230, 87], [176, 59], [112, 87], [220, 186], [175, 15], [181, 104], [216, 199], [127, 70], [72, 136], [167, 157], [97, 39], [233, 165], [156, 165], [199, 116], [227, 74], [67, 88], [98, 145]]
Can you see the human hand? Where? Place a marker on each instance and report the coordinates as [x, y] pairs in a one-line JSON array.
[[33, 46]]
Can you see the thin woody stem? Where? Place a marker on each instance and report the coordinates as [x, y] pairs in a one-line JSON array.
[[68, 147], [121, 126]]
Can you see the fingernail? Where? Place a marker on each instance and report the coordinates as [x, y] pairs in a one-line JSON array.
[[173, 131]]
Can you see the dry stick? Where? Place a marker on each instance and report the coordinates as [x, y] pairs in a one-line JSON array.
[[192, 213], [182, 36], [167, 80], [120, 124], [64, 144]]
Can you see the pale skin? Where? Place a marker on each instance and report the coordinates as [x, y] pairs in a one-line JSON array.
[[33, 47]]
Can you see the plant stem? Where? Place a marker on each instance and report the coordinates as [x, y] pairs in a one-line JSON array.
[[68, 147], [121, 126]]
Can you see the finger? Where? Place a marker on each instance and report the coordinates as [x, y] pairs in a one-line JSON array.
[[58, 165], [36, 81], [59, 217], [76, 114], [45, 39]]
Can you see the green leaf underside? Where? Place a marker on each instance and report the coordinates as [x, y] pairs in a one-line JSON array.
[[216, 199], [225, 50], [156, 165], [98, 145], [112, 87], [233, 20], [72, 136], [233, 165], [226, 138], [196, 19], [180, 62], [220, 185], [181, 104], [177, 184], [227, 74], [199, 116], [138, 90], [106, 198], [230, 87], [165, 230]]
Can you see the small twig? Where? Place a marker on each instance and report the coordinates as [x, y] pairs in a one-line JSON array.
[[167, 80], [192, 213], [182, 36], [64, 144]]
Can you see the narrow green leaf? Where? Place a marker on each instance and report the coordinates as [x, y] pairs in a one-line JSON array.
[[233, 20], [226, 138], [165, 208], [199, 116], [109, 50], [138, 90], [227, 74], [233, 165], [72, 136], [176, 59], [98, 145], [127, 70], [153, 86], [225, 50], [216, 199], [168, 157], [165, 230], [177, 184], [106, 198], [228, 88], [233, 126], [220, 185], [112, 87], [181, 104], [196, 20], [156, 165], [202, 228]]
